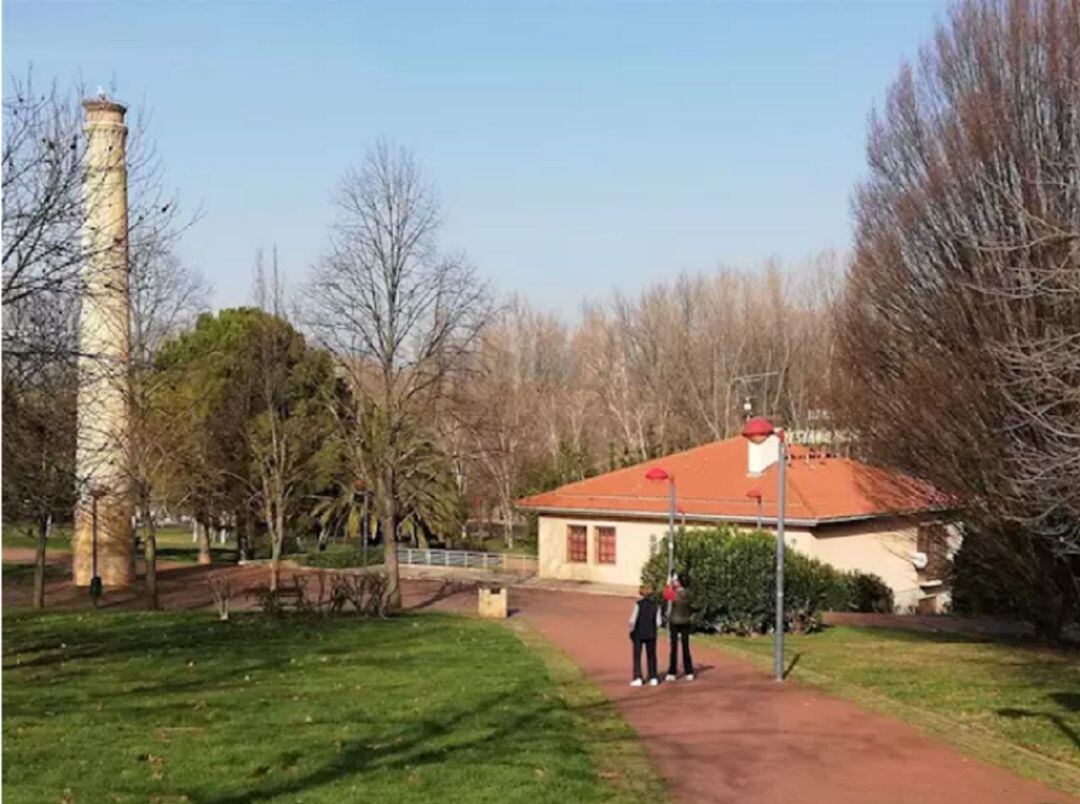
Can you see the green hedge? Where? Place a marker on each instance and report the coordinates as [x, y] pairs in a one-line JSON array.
[[732, 587], [339, 555]]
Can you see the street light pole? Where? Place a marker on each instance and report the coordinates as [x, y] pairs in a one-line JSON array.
[[755, 494], [97, 491], [778, 647], [671, 528], [759, 430], [658, 473], [95, 579]]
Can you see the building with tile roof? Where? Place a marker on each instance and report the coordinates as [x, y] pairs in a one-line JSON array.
[[841, 511]]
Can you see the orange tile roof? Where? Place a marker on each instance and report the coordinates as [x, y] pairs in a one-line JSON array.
[[711, 482]]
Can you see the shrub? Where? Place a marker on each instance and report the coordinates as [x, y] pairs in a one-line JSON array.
[[342, 556], [733, 581], [869, 593]]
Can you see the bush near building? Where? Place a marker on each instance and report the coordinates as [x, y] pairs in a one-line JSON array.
[[733, 581]]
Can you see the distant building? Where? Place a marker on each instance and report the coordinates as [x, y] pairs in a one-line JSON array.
[[840, 511]]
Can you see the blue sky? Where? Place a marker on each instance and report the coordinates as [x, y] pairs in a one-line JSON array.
[[578, 147]]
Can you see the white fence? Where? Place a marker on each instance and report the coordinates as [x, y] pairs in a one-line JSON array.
[[465, 559]]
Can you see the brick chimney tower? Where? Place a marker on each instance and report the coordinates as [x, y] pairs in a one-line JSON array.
[[104, 335]]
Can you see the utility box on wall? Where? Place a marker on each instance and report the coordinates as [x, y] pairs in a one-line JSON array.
[[493, 602]]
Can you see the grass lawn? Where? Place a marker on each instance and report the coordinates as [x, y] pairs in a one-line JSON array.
[[1012, 704], [180, 707], [173, 543], [24, 573]]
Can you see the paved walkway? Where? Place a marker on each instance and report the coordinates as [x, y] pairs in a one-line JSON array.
[[734, 735]]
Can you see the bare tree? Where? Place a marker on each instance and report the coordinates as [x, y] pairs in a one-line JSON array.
[[165, 299], [400, 317], [961, 322], [295, 392]]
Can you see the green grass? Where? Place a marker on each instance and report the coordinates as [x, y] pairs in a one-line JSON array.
[[22, 534], [24, 573], [1014, 704], [181, 707], [338, 555], [173, 543]]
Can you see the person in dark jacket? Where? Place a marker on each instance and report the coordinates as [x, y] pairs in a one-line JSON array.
[[645, 622], [679, 628]]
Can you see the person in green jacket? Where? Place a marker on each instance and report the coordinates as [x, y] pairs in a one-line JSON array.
[[679, 627]]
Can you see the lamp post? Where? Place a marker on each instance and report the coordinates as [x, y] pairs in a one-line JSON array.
[[97, 491], [755, 494], [656, 473], [757, 431]]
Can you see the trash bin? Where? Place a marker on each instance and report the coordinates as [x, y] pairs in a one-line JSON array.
[[493, 602]]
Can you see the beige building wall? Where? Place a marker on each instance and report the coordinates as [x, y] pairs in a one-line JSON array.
[[633, 541], [882, 547]]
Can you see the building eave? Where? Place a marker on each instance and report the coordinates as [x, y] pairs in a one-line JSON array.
[[719, 518]]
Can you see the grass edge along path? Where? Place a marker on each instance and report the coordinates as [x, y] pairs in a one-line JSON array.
[[969, 738], [614, 749]]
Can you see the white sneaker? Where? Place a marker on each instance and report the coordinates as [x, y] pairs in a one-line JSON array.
[[689, 677], [669, 677], [636, 682], [653, 682]]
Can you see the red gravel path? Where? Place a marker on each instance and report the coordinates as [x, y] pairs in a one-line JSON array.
[[734, 735]]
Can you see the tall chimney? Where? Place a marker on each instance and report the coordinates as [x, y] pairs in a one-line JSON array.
[[760, 457], [104, 334]]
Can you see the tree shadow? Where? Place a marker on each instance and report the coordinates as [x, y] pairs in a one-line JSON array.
[[794, 661], [431, 741], [447, 589], [1068, 700]]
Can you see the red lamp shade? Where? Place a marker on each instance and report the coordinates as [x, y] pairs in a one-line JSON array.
[[656, 473], [754, 494], [758, 429]]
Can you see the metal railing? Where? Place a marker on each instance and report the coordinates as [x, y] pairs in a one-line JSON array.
[[466, 559]]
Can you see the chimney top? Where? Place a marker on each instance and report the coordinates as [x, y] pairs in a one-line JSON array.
[[103, 104]]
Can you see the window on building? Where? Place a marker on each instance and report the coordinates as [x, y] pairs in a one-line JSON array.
[[577, 543], [605, 545]]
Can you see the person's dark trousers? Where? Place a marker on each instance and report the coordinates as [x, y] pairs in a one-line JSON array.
[[650, 656], [677, 633]]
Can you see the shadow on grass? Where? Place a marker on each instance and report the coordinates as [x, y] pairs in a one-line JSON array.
[[191, 554], [447, 589], [1069, 701], [793, 663], [429, 741]]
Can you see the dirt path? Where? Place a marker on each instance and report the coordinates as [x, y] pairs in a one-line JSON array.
[[734, 735]]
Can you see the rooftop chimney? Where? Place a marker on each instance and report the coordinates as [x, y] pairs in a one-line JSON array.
[[760, 457]]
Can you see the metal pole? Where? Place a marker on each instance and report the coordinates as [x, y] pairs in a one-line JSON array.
[[759, 512], [95, 582], [671, 530], [778, 646]]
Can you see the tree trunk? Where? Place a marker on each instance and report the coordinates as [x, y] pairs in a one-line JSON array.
[[277, 537], [203, 534], [508, 518], [247, 534], [44, 524], [389, 528], [151, 564]]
